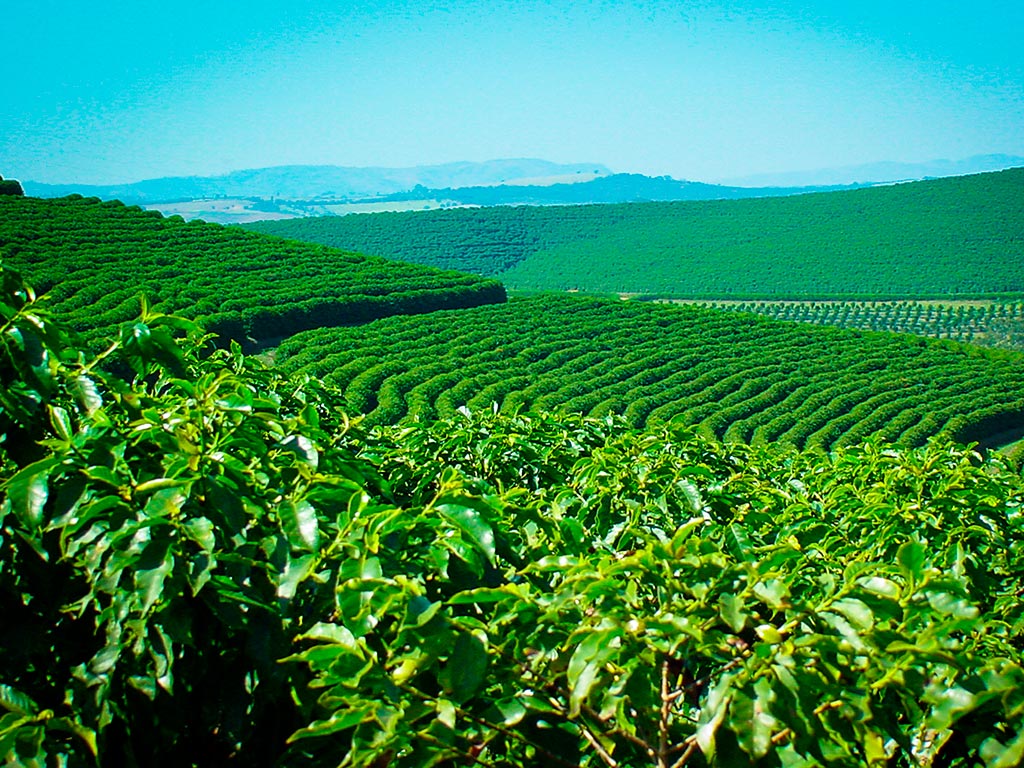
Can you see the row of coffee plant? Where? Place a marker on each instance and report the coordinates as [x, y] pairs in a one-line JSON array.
[[748, 378], [95, 259]]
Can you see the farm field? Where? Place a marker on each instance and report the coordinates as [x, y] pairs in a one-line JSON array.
[[989, 323], [372, 552], [942, 238], [94, 260], [737, 377], [249, 566]]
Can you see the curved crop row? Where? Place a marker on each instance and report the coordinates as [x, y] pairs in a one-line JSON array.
[[735, 375], [95, 259]]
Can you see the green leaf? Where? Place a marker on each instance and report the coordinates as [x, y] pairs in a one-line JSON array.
[[712, 715], [738, 543], [948, 703], [467, 666], [87, 394], [28, 489], [421, 610], [483, 595], [302, 448], [166, 502], [472, 523], [512, 712], [910, 558], [951, 605], [201, 531], [339, 721], [998, 755], [773, 592], [17, 702], [300, 525], [586, 663], [61, 422], [329, 633], [155, 564], [730, 608], [856, 612], [295, 572]]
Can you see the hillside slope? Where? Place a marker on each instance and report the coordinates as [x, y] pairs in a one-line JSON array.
[[738, 376], [95, 259], [961, 235]]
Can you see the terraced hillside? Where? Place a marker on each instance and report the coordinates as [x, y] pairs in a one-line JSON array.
[[954, 236], [96, 258], [738, 376]]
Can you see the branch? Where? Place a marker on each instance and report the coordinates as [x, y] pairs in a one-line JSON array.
[[684, 758], [492, 726], [666, 707], [601, 751]]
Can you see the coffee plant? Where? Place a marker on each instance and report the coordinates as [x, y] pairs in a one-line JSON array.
[[203, 562]]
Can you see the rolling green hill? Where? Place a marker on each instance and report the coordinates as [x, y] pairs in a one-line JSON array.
[[942, 237], [738, 376], [95, 259]]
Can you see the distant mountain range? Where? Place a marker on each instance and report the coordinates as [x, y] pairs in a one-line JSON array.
[[320, 182], [303, 190], [616, 188], [291, 191], [875, 173]]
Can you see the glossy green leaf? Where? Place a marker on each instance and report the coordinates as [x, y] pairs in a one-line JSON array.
[[17, 702], [88, 394], [296, 571], [732, 611], [300, 524], [329, 633], [738, 543], [28, 489], [911, 559], [473, 524], [340, 721], [586, 663], [154, 566]]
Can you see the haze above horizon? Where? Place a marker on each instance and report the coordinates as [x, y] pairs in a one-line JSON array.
[[696, 90]]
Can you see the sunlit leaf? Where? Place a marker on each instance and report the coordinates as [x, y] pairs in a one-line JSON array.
[[300, 524], [28, 489]]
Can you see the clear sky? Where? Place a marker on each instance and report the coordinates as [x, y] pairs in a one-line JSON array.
[[115, 91]]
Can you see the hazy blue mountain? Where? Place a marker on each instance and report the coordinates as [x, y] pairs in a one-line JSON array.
[[874, 173], [309, 182], [616, 188]]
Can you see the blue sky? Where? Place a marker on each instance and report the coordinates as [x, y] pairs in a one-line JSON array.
[[120, 91]]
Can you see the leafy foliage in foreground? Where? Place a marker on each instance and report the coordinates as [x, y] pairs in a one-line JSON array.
[[204, 563], [739, 378], [960, 235], [95, 259]]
